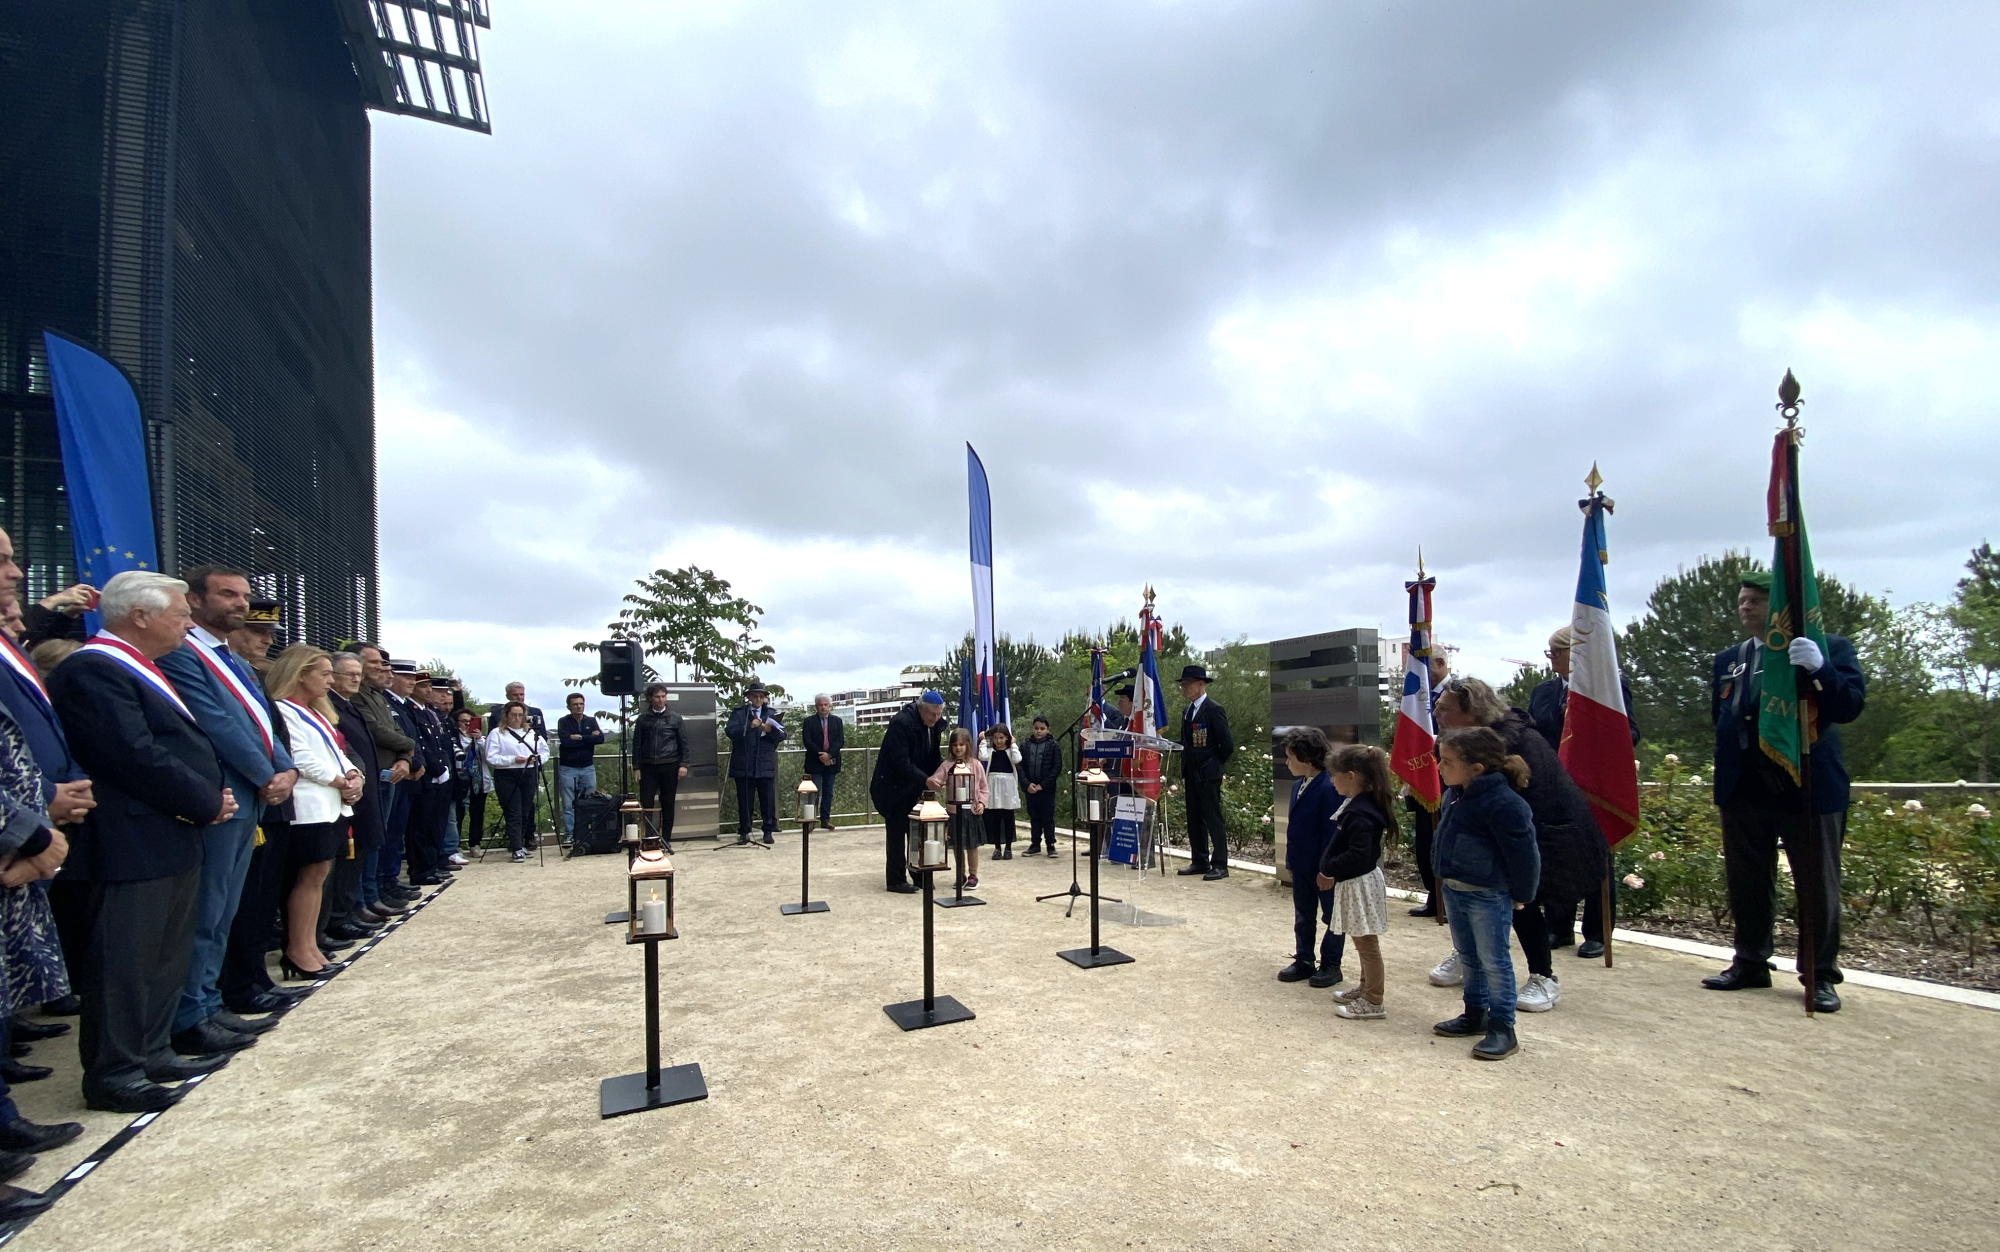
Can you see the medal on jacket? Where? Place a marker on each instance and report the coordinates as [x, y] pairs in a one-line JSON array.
[[1200, 735]]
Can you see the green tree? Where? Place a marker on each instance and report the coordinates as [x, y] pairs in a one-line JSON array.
[[678, 616], [1027, 666], [1969, 663], [1522, 685]]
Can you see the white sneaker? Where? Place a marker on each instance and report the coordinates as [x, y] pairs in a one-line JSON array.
[[1538, 995], [458, 859], [1447, 973]]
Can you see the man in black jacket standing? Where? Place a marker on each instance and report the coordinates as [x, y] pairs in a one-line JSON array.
[[1206, 747], [910, 754], [823, 735], [659, 754], [125, 901], [1761, 805]]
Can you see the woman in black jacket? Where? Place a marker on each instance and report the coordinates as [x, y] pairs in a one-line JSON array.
[[1572, 848]]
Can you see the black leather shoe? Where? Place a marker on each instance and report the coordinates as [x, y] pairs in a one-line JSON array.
[[1561, 941], [183, 1068], [1192, 869], [387, 910], [768, 840], [243, 1025], [1470, 1022], [1825, 999], [22, 1028], [22, 1135], [19, 1202], [13, 1165], [329, 945], [20, 1071], [1297, 971], [366, 923], [1217, 872], [1324, 978], [140, 1096], [742, 839], [1424, 910], [68, 1006], [16, 1048], [347, 933], [1737, 978], [203, 1038], [1498, 1044], [1589, 950], [903, 888], [264, 1002]]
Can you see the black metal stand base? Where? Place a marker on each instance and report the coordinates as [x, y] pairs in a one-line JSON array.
[[911, 1015], [628, 1093], [753, 842], [1084, 958], [958, 902], [810, 906], [617, 919]]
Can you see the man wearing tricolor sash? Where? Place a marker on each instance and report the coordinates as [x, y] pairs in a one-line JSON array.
[[228, 704], [125, 900]]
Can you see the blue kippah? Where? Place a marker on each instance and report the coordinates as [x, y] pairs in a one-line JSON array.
[[932, 697]]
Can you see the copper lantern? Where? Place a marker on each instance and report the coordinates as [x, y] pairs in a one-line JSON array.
[[808, 803], [927, 842], [1093, 796], [650, 897]]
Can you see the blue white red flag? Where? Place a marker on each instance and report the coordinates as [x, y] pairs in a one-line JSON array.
[[1150, 707], [985, 704], [1597, 738], [1413, 753]]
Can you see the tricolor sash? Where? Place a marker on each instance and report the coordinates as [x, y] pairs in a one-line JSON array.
[[252, 703], [319, 725], [11, 655], [146, 672]]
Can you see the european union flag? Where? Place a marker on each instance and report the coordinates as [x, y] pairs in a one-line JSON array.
[[104, 462]]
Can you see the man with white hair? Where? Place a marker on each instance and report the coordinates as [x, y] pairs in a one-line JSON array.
[[518, 694], [125, 901], [824, 735]]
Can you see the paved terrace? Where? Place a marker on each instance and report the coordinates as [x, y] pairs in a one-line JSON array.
[[443, 1093]]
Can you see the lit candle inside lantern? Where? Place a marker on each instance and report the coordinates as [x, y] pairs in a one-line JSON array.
[[653, 915], [1092, 813], [933, 852]]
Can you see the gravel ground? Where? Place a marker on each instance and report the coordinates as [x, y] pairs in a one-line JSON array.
[[443, 1093]]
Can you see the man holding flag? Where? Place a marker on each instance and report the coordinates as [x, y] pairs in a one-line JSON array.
[[1777, 699]]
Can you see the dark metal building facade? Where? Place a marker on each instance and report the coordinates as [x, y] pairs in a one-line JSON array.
[[185, 186]]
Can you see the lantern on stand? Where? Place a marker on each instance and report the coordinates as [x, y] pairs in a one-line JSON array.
[[958, 796], [650, 921], [958, 785], [929, 825], [1093, 809], [808, 817], [629, 840]]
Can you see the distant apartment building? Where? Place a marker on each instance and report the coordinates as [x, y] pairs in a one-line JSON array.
[[874, 706]]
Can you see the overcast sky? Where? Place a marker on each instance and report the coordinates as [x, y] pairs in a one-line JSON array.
[[1245, 300]]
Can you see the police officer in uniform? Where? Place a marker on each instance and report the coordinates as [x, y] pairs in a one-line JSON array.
[[1206, 747], [430, 807], [1761, 805]]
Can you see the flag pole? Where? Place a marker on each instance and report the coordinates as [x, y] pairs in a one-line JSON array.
[[1789, 403]]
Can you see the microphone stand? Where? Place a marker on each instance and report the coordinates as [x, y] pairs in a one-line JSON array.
[[1074, 891]]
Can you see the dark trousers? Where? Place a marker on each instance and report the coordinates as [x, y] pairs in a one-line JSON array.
[[473, 833], [1531, 927], [430, 808], [896, 824], [1562, 917], [516, 789], [343, 882], [659, 784], [389, 857], [1206, 838], [1311, 909], [127, 945], [243, 976], [1041, 807], [999, 827], [1423, 823], [764, 790], [1750, 838], [824, 780]]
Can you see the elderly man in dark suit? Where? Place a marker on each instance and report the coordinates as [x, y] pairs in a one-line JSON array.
[[1761, 805], [908, 757], [754, 732], [823, 736], [1206, 746], [125, 901]]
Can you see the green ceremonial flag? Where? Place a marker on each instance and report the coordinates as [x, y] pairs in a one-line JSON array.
[[1788, 719]]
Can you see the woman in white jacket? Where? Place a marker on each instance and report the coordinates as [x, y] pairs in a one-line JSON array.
[[1003, 789], [514, 751], [322, 801]]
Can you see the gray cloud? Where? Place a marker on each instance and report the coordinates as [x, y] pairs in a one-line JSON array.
[[1245, 299]]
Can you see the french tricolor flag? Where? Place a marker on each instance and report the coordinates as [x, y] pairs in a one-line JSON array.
[[988, 699], [1413, 752], [1597, 738]]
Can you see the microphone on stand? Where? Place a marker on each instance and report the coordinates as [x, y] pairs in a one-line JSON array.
[[1122, 675]]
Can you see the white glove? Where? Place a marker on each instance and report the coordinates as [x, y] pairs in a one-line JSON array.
[[1806, 655]]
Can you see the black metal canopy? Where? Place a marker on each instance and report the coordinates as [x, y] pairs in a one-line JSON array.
[[420, 57]]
